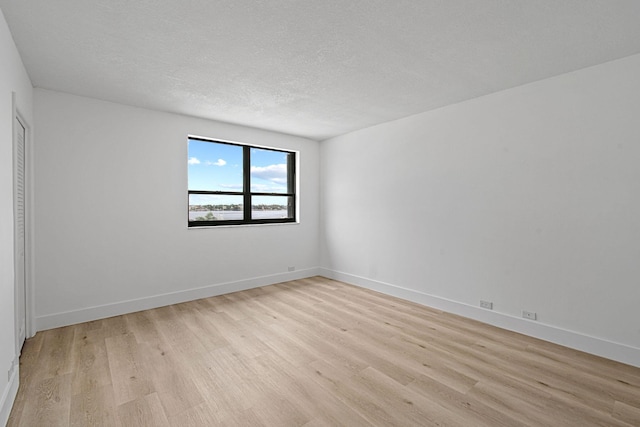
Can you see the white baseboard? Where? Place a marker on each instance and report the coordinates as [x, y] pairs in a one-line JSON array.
[[115, 309], [597, 346], [8, 397]]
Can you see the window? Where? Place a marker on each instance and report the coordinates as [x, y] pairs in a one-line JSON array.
[[232, 184]]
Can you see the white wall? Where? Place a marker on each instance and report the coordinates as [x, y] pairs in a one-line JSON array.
[[13, 79], [111, 232], [529, 198]]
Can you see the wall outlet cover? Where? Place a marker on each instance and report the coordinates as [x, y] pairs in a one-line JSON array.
[[486, 304]]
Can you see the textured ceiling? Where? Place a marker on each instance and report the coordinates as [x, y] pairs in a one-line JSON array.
[[316, 68]]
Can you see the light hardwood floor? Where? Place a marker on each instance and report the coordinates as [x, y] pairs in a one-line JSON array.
[[312, 352]]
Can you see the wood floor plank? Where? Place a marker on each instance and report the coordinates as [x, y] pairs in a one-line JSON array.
[[56, 356], [175, 388], [298, 386], [312, 352], [49, 403], [408, 406], [201, 326], [220, 378], [626, 413], [143, 327], [624, 374], [199, 415], [128, 376], [440, 392], [94, 405], [91, 361], [144, 411]]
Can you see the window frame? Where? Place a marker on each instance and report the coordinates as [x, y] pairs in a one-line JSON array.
[[246, 193]]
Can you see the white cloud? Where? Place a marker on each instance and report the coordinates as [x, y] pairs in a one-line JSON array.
[[232, 186], [273, 173], [220, 162], [264, 188], [259, 187], [194, 161]]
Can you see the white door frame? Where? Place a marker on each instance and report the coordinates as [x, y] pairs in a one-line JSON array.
[[30, 326]]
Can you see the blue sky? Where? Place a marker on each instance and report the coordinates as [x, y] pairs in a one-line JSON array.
[[218, 167]]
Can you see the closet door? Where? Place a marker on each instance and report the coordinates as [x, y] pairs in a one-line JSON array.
[[19, 232]]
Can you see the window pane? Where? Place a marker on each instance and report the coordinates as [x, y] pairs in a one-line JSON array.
[[269, 171], [209, 207], [214, 166], [271, 207]]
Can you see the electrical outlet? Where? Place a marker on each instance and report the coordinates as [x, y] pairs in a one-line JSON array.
[[486, 304], [529, 315], [292, 268]]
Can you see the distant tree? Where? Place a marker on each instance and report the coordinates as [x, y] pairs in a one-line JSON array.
[[208, 217]]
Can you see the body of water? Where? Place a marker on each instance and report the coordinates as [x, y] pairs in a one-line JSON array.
[[235, 215]]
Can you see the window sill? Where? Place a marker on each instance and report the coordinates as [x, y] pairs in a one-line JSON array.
[[209, 227]]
